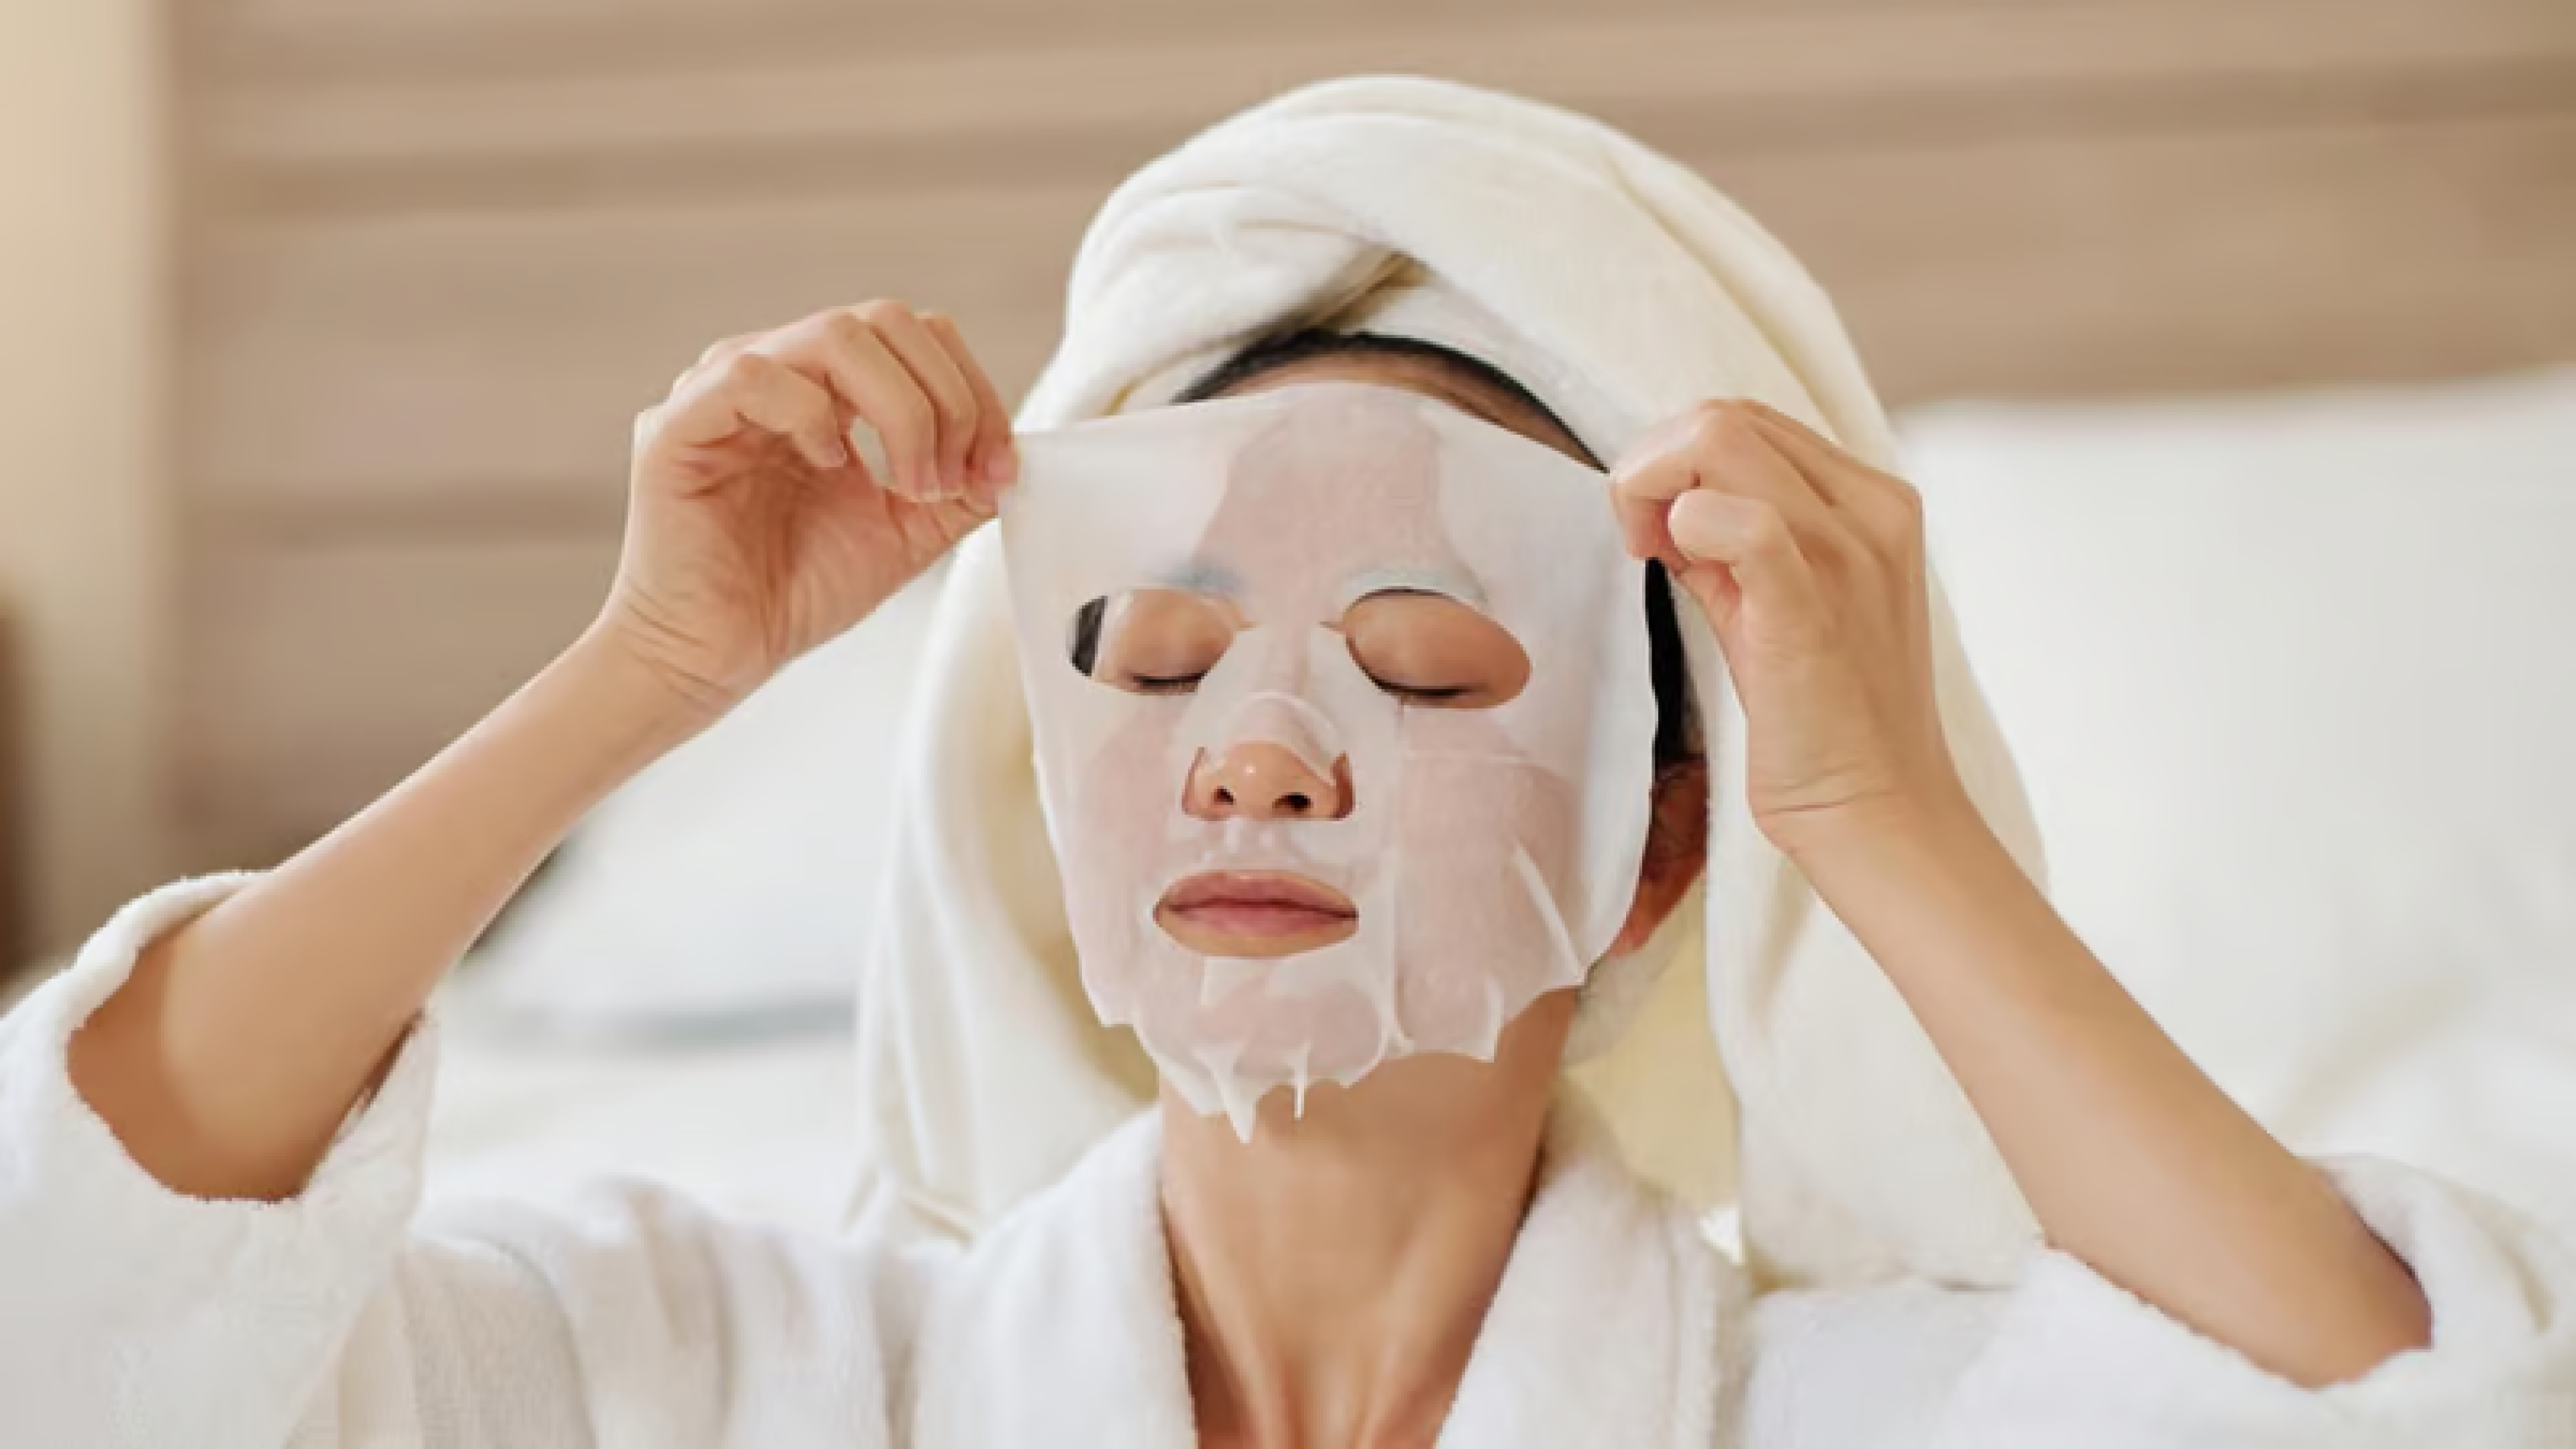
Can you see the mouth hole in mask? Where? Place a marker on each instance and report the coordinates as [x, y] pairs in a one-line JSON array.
[[1426, 649]]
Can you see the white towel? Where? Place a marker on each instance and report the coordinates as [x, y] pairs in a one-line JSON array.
[[1619, 288]]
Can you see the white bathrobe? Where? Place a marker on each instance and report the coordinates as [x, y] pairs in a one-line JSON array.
[[130, 1315]]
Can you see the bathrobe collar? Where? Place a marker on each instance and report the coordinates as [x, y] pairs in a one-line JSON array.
[[1061, 1327]]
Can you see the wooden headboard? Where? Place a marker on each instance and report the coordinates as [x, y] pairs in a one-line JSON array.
[[435, 253]]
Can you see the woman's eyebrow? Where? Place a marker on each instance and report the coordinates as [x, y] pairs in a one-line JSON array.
[[1202, 577]]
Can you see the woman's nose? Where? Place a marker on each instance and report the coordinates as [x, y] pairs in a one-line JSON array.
[[1257, 780]]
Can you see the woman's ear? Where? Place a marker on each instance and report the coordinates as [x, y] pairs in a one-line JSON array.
[[1676, 851]]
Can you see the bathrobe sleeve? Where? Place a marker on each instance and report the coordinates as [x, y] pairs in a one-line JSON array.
[[132, 1315], [2072, 1359]]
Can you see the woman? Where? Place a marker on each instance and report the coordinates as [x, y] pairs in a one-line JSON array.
[[213, 1120]]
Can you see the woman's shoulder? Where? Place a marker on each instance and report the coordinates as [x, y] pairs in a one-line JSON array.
[[755, 1332], [1068, 1298], [653, 1268], [617, 1225], [1094, 1237]]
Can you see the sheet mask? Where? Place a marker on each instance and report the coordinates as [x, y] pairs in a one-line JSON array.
[[1258, 588]]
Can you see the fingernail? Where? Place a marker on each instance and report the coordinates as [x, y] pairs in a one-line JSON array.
[[1002, 465], [834, 453]]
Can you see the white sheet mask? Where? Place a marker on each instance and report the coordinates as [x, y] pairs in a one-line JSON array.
[[1260, 590]]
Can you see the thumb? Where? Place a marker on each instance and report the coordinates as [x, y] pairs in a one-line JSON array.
[[1719, 596]]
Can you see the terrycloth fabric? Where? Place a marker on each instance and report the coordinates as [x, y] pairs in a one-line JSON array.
[[1620, 288], [135, 1317]]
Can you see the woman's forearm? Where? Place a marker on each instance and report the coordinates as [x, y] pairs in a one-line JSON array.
[[242, 1039], [2132, 1159]]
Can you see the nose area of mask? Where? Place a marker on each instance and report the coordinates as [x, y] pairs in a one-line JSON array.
[[1277, 758], [1291, 723], [1257, 780]]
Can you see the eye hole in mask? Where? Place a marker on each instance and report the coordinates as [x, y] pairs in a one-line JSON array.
[[1425, 649]]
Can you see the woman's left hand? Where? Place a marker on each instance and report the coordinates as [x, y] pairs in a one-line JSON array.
[[1810, 567]]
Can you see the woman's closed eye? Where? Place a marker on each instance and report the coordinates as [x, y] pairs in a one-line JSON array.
[[1431, 650], [1427, 693], [1152, 641]]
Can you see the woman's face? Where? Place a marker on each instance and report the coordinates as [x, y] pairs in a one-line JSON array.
[[1677, 839], [1429, 650], [1379, 774]]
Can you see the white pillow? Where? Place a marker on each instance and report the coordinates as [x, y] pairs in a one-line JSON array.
[[729, 887], [2294, 685]]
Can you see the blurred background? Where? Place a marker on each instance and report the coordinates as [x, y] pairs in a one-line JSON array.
[[325, 322]]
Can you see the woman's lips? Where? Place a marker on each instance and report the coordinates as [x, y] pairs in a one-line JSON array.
[[1255, 913]]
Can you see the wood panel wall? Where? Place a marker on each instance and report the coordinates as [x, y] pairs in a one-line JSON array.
[[17, 928], [437, 252]]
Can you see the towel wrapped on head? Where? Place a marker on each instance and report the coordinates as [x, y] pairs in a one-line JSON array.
[[1779, 1070]]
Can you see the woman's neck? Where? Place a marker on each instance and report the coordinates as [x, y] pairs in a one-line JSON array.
[[1332, 1274]]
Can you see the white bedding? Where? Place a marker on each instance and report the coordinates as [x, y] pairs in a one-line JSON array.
[[2293, 685]]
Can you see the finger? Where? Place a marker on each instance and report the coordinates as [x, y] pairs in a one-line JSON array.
[[1881, 508], [994, 459], [1753, 544], [951, 398], [866, 375], [1658, 468], [715, 352], [724, 347], [1738, 455], [1830, 467], [1884, 508], [751, 390], [1719, 446]]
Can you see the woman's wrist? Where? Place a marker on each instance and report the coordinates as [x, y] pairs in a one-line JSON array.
[[1916, 879], [1930, 823], [612, 674]]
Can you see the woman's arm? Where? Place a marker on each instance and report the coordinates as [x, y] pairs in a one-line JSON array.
[[2130, 1156], [242, 1039], [1810, 567], [230, 1056]]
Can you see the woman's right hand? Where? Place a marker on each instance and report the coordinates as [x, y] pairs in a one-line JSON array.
[[241, 1040], [755, 530]]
